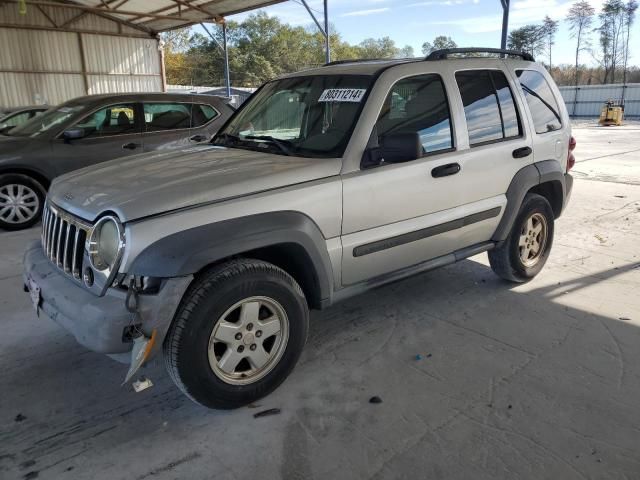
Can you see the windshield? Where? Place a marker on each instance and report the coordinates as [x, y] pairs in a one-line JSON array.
[[45, 122], [311, 116]]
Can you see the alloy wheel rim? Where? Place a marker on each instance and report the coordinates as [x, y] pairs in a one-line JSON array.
[[18, 203], [533, 239], [248, 340]]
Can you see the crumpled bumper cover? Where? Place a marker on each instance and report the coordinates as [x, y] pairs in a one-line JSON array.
[[99, 323]]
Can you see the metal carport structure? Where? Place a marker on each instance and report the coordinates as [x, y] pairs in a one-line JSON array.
[[102, 46], [59, 48]]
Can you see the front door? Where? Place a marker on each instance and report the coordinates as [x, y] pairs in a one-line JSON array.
[[109, 132]]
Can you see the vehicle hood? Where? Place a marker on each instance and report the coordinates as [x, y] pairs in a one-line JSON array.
[[157, 182]]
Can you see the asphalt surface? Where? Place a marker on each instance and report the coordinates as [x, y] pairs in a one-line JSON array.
[[479, 379]]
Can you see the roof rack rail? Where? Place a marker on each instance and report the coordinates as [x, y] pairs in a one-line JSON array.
[[354, 60], [444, 53]]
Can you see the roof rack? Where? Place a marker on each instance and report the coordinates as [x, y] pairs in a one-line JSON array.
[[354, 60], [444, 53]]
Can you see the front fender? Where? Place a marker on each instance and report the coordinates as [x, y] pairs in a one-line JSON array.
[[188, 252]]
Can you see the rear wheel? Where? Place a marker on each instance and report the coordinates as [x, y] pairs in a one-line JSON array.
[[237, 335], [21, 201], [525, 251]]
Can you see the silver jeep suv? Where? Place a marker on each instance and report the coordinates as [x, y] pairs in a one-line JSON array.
[[324, 184]]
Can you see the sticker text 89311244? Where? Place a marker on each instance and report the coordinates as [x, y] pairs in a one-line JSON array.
[[342, 95]]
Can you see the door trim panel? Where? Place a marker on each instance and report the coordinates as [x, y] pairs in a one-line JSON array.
[[386, 243]]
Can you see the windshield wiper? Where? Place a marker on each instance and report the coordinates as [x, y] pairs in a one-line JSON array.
[[225, 137], [283, 145]]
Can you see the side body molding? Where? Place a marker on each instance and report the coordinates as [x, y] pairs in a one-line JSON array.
[[187, 252], [524, 180]]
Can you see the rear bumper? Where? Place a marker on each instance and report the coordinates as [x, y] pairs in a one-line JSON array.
[[99, 323]]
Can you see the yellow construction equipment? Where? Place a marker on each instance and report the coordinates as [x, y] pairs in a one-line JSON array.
[[611, 114]]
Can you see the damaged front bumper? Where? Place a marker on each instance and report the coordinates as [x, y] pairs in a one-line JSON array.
[[102, 324]]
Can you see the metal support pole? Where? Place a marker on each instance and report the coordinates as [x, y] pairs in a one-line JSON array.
[[505, 23], [327, 45], [227, 76]]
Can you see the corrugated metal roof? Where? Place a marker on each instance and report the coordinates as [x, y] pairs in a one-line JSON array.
[[151, 15]]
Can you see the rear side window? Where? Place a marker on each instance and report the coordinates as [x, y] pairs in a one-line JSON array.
[[418, 105], [160, 117], [488, 106], [202, 114], [542, 104]]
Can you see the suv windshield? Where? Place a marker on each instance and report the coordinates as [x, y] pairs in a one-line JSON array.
[[309, 116], [45, 122]]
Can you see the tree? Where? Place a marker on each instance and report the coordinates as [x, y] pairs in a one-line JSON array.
[[580, 20], [407, 52], [378, 48], [529, 39], [439, 43], [629, 17], [550, 28], [612, 20]]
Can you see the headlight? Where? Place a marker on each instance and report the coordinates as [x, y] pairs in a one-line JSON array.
[[106, 243]]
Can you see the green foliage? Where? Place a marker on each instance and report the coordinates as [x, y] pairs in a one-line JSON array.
[[260, 49], [439, 43]]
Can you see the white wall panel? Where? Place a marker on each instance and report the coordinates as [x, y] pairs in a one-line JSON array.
[[124, 83], [121, 55], [39, 50], [38, 88], [589, 99]]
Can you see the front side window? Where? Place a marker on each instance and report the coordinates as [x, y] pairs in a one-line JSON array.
[[488, 106], [202, 114], [542, 104], [160, 117], [108, 121], [308, 116], [418, 105], [49, 120]]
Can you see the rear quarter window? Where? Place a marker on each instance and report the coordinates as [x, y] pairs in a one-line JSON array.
[[488, 106], [542, 104]]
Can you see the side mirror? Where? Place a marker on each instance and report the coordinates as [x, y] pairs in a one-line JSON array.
[[394, 148], [73, 134]]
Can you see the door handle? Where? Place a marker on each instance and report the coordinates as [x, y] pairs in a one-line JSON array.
[[131, 146], [522, 152], [198, 138], [445, 170]]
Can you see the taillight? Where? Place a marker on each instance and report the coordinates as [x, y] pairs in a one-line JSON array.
[[571, 160]]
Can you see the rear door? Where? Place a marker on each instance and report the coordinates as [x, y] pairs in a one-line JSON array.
[[167, 125], [110, 132], [206, 119]]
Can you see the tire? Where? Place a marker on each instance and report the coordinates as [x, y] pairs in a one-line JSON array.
[[506, 260], [21, 201], [194, 357]]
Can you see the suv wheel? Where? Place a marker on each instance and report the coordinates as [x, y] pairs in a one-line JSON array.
[[21, 201], [525, 251], [237, 335]]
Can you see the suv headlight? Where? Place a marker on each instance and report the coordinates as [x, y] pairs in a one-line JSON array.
[[106, 243]]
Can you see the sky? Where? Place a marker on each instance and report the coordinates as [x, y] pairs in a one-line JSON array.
[[475, 23]]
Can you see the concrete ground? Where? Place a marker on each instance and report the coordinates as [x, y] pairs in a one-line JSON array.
[[537, 381]]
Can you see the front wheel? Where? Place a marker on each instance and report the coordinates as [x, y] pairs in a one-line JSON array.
[[237, 335], [21, 201], [525, 251]]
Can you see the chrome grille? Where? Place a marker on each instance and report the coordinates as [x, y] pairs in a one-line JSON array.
[[63, 240]]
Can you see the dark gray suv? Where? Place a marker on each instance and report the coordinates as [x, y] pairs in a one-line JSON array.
[[94, 129]]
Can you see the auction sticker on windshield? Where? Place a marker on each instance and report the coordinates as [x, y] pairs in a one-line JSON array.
[[342, 95]]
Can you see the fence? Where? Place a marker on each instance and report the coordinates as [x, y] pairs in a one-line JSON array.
[[587, 100]]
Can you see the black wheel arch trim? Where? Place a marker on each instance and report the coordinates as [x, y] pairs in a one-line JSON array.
[[546, 171], [188, 252]]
